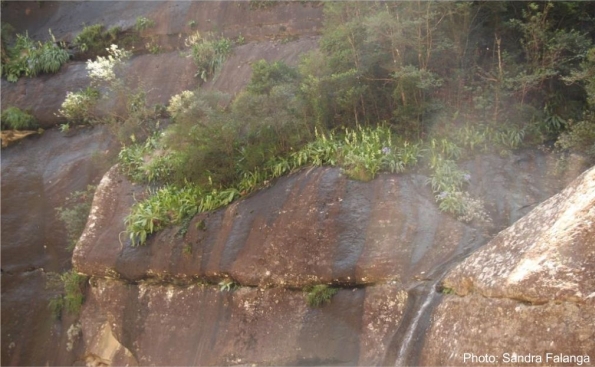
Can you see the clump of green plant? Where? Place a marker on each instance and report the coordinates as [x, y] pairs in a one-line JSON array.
[[261, 4], [319, 295], [227, 285], [13, 118], [140, 164], [78, 107], [153, 47], [446, 290], [94, 39], [579, 137], [72, 298], [75, 212], [192, 24], [143, 23], [30, 58], [208, 52], [166, 206]]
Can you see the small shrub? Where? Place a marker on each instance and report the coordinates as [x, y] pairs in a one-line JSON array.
[[78, 107], [74, 286], [95, 39], [192, 24], [153, 47], [580, 137], [13, 118], [319, 295], [75, 212], [447, 177], [208, 53], [102, 70], [32, 58], [266, 75], [72, 299], [143, 23]]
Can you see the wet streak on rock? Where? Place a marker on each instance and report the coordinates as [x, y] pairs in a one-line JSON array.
[[330, 335], [381, 257], [38, 174], [253, 218], [351, 226]]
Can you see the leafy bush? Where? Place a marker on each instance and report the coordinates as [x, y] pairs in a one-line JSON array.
[[73, 297], [141, 164], [13, 118], [78, 107], [579, 137], [102, 70], [32, 58], [319, 295], [447, 177], [75, 212], [208, 53], [143, 23], [95, 39], [266, 75]]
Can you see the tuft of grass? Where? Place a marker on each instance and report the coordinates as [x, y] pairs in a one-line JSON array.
[[319, 295], [208, 52], [13, 118]]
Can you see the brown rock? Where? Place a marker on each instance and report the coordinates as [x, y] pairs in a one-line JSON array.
[[530, 291]]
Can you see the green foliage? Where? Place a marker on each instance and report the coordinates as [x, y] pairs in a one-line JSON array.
[[226, 285], [580, 137], [319, 295], [78, 107], [94, 39], [13, 118], [75, 212], [140, 164], [446, 290], [192, 24], [32, 58], [446, 176], [163, 207], [261, 4], [73, 297], [267, 75], [208, 52], [143, 23]]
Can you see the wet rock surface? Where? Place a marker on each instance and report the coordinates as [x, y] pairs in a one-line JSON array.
[[201, 325], [531, 290], [376, 240], [315, 226], [37, 175], [384, 242]]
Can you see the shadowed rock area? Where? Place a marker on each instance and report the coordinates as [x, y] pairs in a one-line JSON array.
[[531, 290], [37, 176]]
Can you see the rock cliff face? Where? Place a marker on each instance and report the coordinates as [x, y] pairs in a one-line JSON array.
[[375, 240], [531, 290], [165, 74], [384, 243]]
